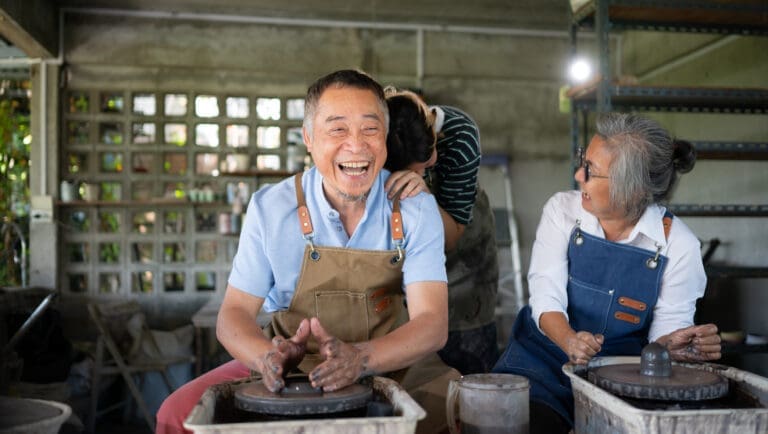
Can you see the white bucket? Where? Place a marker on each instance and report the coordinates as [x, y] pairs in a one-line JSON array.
[[31, 416], [406, 414], [598, 411]]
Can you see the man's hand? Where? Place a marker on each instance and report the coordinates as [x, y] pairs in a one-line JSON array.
[[285, 355], [412, 182], [582, 346], [343, 363], [693, 344]]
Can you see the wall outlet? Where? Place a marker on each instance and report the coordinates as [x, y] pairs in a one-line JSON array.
[[41, 209]]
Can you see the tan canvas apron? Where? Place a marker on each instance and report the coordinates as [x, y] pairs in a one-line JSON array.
[[357, 296]]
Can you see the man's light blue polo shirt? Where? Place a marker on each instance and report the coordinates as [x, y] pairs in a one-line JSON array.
[[271, 247]]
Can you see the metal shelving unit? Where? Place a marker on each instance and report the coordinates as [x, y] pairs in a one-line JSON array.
[[738, 17], [715, 150], [745, 17], [720, 210], [678, 99]]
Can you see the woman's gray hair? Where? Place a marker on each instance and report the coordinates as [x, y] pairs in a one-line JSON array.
[[646, 160]]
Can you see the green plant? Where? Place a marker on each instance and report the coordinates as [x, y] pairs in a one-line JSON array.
[[109, 253], [15, 142]]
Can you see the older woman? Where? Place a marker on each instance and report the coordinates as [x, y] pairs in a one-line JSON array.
[[611, 268]]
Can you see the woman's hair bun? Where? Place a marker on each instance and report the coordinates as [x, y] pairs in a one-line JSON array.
[[683, 156]]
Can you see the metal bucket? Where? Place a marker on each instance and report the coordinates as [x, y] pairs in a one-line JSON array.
[[598, 411], [489, 403], [218, 401]]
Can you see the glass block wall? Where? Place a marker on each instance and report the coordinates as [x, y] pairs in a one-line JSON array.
[[157, 181]]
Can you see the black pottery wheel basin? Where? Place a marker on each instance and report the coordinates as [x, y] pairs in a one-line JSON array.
[[299, 398]]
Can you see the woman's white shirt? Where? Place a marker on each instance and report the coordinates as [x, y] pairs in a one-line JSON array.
[[683, 282]]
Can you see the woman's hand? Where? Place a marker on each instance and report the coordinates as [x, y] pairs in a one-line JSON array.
[[285, 355], [582, 346], [411, 182], [344, 363], [697, 343]]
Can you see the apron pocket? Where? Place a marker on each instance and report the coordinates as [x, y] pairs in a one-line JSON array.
[[343, 314], [588, 306]]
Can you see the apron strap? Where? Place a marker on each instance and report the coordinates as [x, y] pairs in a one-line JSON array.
[[667, 222], [396, 220], [304, 220]]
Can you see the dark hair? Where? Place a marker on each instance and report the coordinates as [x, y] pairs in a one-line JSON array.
[[411, 138], [339, 79], [646, 160]]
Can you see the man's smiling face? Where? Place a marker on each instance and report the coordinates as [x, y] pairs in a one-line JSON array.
[[348, 141]]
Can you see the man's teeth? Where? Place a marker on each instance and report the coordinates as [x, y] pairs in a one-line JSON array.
[[354, 168], [353, 165]]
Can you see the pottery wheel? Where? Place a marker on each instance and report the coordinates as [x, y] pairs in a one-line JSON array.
[[300, 398], [685, 384]]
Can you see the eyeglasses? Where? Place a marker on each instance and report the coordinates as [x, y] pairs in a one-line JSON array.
[[580, 154]]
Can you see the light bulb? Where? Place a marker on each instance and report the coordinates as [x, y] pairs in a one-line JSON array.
[[580, 70]]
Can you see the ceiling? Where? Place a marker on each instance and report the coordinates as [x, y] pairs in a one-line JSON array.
[[35, 22], [526, 14], [547, 15]]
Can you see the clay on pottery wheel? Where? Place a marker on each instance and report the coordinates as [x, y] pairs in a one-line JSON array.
[[656, 378], [300, 398]]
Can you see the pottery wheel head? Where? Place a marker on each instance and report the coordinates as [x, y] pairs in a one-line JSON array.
[[683, 384], [300, 398]]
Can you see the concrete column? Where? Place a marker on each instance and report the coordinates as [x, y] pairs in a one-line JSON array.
[[44, 175]]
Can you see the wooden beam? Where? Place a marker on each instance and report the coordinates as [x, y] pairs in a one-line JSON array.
[[32, 26]]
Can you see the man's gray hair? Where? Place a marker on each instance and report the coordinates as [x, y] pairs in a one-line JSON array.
[[340, 79]]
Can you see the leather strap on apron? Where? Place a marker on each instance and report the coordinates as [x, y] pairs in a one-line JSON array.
[[356, 294]]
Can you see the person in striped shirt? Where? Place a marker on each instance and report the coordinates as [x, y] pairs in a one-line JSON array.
[[437, 149]]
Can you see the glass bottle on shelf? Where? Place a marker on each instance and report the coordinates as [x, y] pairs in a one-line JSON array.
[[294, 157], [290, 157], [237, 215]]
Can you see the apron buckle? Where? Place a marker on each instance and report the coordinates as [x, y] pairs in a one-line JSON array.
[[652, 263], [313, 253], [578, 239], [399, 257]]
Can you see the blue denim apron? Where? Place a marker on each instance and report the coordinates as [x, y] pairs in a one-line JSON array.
[[612, 290]]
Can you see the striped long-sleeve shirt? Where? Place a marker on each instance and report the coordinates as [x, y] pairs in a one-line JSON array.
[[454, 175]]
